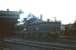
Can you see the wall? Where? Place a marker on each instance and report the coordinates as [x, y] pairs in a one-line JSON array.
[[7, 27], [46, 27]]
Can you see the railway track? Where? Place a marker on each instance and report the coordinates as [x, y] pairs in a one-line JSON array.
[[37, 44]]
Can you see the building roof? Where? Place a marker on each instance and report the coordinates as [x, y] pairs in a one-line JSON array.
[[9, 14]]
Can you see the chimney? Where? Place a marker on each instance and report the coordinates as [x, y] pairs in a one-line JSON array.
[[8, 10], [20, 11], [55, 19], [48, 20], [41, 17]]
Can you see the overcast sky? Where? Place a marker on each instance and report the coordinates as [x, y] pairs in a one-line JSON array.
[[64, 10]]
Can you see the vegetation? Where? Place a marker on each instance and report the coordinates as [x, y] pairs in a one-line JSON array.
[[19, 28]]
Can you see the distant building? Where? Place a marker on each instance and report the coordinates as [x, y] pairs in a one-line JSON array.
[[35, 24], [70, 30]]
